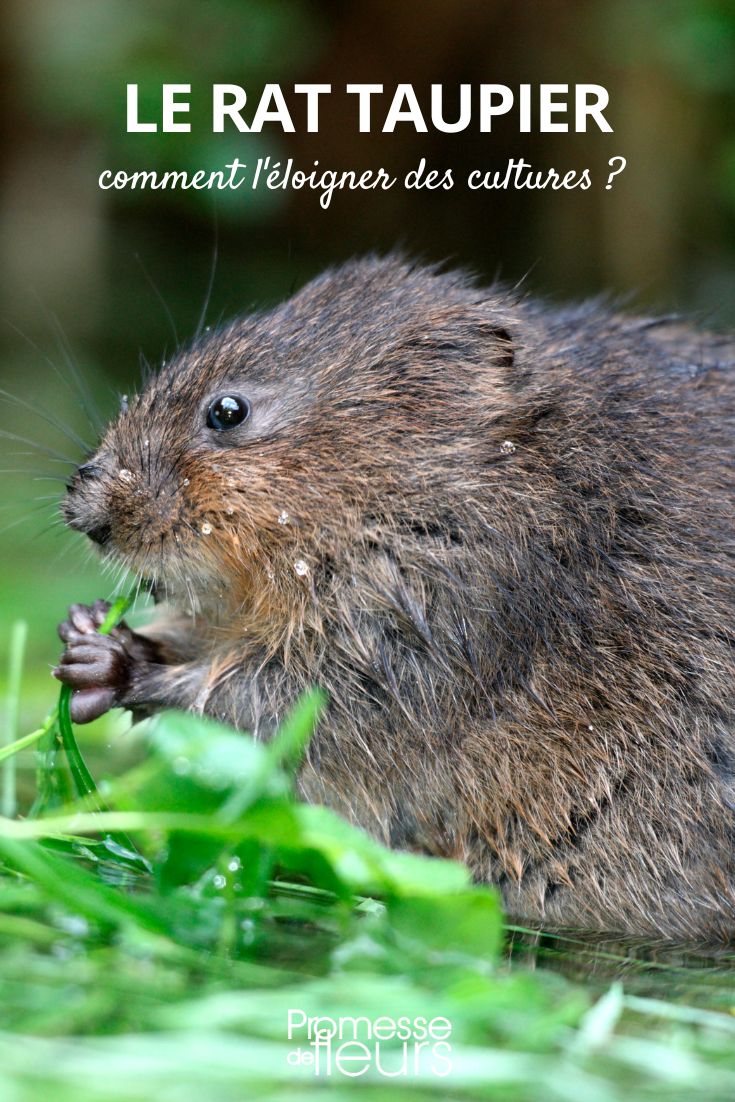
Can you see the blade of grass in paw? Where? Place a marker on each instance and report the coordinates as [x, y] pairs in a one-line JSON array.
[[56, 779], [60, 781]]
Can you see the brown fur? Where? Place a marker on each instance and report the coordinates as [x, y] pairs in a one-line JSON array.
[[517, 524]]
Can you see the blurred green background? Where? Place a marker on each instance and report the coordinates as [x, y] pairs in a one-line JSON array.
[[85, 273]]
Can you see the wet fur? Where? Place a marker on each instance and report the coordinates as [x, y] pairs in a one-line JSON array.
[[528, 649]]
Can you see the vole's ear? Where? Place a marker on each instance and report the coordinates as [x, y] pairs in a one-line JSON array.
[[462, 334], [492, 369], [457, 352], [474, 347], [501, 344], [453, 360]]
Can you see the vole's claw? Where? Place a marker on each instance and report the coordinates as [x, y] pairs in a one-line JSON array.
[[87, 619], [98, 668], [82, 618], [99, 611], [94, 663]]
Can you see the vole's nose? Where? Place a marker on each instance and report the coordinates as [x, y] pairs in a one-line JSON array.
[[89, 470], [85, 508], [86, 473]]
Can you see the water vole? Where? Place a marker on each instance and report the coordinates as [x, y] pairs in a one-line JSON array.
[[499, 535]]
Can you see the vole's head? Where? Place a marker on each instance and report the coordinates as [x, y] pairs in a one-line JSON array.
[[261, 449]]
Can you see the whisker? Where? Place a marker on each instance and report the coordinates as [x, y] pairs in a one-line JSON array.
[[83, 393], [79, 394], [54, 527], [88, 402], [38, 498], [161, 299], [146, 369], [13, 524], [34, 475], [51, 452], [64, 550], [210, 286], [47, 417]]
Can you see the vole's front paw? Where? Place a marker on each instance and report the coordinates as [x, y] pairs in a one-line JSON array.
[[99, 668]]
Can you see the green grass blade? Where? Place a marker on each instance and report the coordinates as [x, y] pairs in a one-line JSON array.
[[17, 650], [23, 743], [76, 888], [58, 782], [81, 776]]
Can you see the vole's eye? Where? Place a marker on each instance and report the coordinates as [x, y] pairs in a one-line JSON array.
[[227, 412]]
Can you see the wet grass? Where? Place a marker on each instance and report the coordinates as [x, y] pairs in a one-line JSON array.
[[166, 901]]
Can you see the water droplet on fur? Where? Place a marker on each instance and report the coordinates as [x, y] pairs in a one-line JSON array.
[[146, 443], [215, 467], [229, 510], [283, 517], [270, 575], [507, 447], [590, 727], [301, 568], [207, 328], [220, 881], [125, 474], [206, 528], [186, 482]]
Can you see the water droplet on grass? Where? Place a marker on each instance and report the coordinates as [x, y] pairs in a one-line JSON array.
[[254, 903], [75, 925], [247, 926]]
